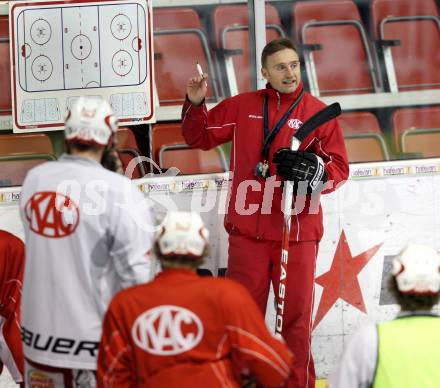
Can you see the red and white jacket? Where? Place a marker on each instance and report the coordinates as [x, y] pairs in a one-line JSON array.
[[182, 330], [255, 204], [11, 280], [87, 236]]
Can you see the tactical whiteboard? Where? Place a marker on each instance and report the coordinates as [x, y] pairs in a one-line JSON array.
[[60, 52]]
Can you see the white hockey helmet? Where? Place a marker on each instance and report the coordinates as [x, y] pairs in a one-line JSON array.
[[90, 120], [182, 234], [417, 270]]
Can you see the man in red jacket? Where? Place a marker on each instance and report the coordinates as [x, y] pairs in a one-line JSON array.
[[182, 330], [260, 126], [11, 279]]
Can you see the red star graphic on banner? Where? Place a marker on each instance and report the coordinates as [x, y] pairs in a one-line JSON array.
[[341, 280]]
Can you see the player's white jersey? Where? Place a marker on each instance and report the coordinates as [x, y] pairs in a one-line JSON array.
[[88, 234]]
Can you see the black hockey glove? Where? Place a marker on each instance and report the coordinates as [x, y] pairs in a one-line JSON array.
[[299, 166]]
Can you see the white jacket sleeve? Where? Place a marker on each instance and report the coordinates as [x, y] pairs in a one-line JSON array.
[[132, 237], [358, 362]]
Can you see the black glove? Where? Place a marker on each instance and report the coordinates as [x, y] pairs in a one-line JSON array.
[[300, 166]]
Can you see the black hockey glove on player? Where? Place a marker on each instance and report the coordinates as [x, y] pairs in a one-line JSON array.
[[300, 166]]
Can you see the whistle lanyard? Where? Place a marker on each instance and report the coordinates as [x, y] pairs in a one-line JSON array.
[[269, 136]]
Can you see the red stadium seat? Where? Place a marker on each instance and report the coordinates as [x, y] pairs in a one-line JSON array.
[[363, 137], [4, 26], [359, 123], [14, 168], [168, 149], [191, 161], [180, 42], [417, 130], [231, 28], [369, 147], [423, 142], [165, 18], [128, 150], [409, 33], [25, 144], [336, 50], [164, 134], [5, 68]]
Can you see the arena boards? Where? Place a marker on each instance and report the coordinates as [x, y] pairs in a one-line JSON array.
[[367, 221]]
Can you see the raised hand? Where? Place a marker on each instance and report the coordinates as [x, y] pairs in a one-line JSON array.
[[196, 89]]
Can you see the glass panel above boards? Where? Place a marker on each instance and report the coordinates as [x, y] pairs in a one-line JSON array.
[[379, 68]]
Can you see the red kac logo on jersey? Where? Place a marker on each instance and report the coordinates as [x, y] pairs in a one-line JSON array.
[[167, 330], [51, 214]]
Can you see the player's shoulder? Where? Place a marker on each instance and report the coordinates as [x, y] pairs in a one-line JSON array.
[[5, 235], [9, 238], [122, 296], [119, 183], [116, 177], [251, 94], [41, 168], [223, 286], [38, 171], [313, 102], [366, 334], [245, 97]]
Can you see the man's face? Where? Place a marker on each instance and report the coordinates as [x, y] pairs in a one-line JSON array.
[[282, 70]]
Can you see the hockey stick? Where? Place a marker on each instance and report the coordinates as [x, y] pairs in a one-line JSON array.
[[319, 118]]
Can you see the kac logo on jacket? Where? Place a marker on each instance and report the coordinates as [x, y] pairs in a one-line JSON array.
[[167, 330], [294, 123], [52, 214]]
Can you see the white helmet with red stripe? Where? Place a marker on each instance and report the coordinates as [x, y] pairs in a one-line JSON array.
[[417, 270], [182, 234], [90, 121]]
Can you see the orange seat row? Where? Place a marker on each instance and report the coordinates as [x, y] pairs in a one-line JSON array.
[[339, 51]]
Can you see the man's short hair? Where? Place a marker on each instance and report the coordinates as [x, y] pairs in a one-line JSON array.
[[179, 261], [82, 147], [274, 46], [412, 302]]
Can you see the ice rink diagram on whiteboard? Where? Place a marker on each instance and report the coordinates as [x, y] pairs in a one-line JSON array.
[[94, 46], [85, 46]]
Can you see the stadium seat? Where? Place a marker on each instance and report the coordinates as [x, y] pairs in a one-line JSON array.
[[231, 28], [425, 142], [4, 26], [363, 137], [192, 161], [176, 18], [179, 43], [14, 168], [168, 149], [408, 31], [417, 130], [162, 134], [359, 123], [5, 68], [337, 53], [127, 149], [369, 147], [25, 144]]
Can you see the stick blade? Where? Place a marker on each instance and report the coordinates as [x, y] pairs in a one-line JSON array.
[[328, 113]]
